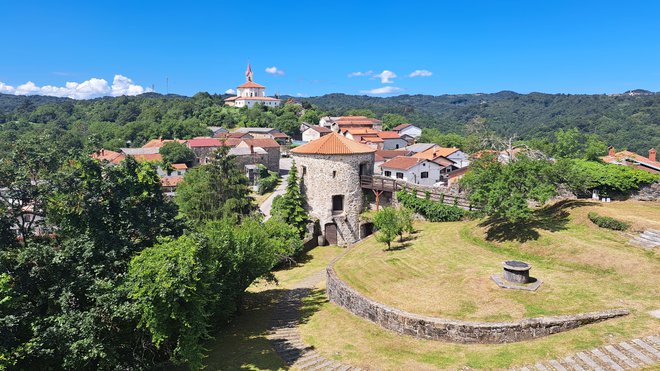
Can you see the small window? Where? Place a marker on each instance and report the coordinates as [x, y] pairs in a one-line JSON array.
[[304, 170], [337, 203], [388, 173], [334, 173], [399, 175], [425, 174]]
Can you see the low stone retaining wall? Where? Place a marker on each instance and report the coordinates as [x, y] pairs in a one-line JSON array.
[[454, 331]]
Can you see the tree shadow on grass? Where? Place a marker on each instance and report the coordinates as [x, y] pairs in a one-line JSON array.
[[242, 344], [552, 218]]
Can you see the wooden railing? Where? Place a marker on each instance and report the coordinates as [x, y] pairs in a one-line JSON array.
[[381, 183]]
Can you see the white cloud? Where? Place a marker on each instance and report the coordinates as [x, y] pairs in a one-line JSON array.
[[383, 90], [274, 71], [230, 91], [359, 74], [92, 88], [420, 73], [386, 76]]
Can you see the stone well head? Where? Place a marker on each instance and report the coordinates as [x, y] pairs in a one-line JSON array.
[[516, 271]]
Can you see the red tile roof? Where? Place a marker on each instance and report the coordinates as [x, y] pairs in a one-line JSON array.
[[621, 156], [391, 153], [108, 155], [333, 144], [204, 142], [279, 135], [358, 131], [170, 181], [320, 129], [180, 166], [402, 163], [388, 135], [434, 152], [262, 142], [251, 84]]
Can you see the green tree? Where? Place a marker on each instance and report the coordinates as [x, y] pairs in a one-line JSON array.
[[361, 112], [391, 120], [291, 206], [388, 223], [177, 153], [503, 190], [170, 286], [215, 190], [405, 217]]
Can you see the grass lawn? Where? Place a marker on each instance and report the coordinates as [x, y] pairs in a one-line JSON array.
[[444, 271], [243, 345]]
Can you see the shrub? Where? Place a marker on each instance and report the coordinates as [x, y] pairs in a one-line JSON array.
[[268, 183], [607, 222], [431, 210]]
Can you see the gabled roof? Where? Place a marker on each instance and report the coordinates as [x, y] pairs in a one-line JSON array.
[[402, 163], [320, 129], [171, 181], [391, 153], [388, 135], [180, 166], [279, 135], [622, 156], [420, 147], [251, 84], [434, 152], [262, 142], [204, 142], [108, 155], [147, 157], [401, 127], [158, 143], [359, 131], [333, 144]]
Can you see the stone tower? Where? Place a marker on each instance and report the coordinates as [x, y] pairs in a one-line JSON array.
[[330, 168]]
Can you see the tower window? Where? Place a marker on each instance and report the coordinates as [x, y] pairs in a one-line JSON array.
[[334, 173], [338, 203], [304, 170]]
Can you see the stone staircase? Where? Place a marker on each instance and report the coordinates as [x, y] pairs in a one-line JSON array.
[[285, 336], [637, 353], [648, 239]]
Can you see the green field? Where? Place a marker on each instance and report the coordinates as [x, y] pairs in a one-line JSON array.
[[444, 270]]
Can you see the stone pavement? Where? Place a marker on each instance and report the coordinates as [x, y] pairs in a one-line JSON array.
[[648, 239], [266, 206], [285, 336], [636, 353]]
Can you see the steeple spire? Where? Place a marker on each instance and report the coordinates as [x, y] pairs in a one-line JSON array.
[[248, 74]]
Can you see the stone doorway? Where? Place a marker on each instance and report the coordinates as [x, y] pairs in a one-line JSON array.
[[331, 233]]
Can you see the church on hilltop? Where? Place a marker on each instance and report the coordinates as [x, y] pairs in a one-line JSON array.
[[251, 93]]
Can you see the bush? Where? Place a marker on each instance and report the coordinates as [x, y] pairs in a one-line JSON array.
[[431, 210], [267, 184], [607, 222]]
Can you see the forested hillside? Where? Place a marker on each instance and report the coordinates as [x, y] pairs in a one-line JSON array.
[[625, 121]]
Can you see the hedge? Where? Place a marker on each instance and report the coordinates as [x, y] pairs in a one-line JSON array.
[[267, 184], [607, 222], [431, 210]]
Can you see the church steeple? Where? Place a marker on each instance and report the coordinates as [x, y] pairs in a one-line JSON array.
[[248, 74]]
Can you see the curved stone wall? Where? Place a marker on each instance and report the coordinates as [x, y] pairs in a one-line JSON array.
[[450, 330]]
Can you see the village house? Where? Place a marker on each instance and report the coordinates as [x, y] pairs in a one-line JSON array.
[[420, 147], [408, 132], [203, 147], [460, 158], [160, 142], [337, 124], [312, 132], [330, 169], [251, 94], [233, 135], [418, 170], [392, 140], [384, 155], [216, 130], [273, 152], [108, 155], [629, 158]]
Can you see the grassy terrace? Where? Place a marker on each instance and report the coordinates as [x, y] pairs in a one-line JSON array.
[[444, 270]]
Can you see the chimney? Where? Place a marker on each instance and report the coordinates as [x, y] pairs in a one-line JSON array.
[[612, 152], [652, 153]]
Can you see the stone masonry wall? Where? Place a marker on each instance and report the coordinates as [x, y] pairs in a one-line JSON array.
[[650, 192], [329, 175], [450, 330]]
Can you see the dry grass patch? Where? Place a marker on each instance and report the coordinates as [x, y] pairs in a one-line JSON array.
[[445, 271]]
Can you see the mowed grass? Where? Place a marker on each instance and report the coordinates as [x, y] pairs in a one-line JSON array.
[[242, 345], [445, 270]]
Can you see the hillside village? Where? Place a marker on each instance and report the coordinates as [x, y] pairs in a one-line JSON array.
[[379, 234]]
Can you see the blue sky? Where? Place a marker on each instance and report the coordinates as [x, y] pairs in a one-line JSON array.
[[478, 46]]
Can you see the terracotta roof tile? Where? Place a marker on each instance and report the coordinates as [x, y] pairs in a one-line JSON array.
[[161, 142], [400, 127], [147, 157], [392, 153], [402, 163], [434, 152], [388, 135], [251, 84], [262, 142], [108, 155], [333, 144], [180, 166], [170, 181], [204, 142]]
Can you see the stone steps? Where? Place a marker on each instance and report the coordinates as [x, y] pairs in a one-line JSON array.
[[648, 239], [284, 334], [636, 353]]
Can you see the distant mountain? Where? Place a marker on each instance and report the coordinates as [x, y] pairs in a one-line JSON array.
[[629, 120]]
